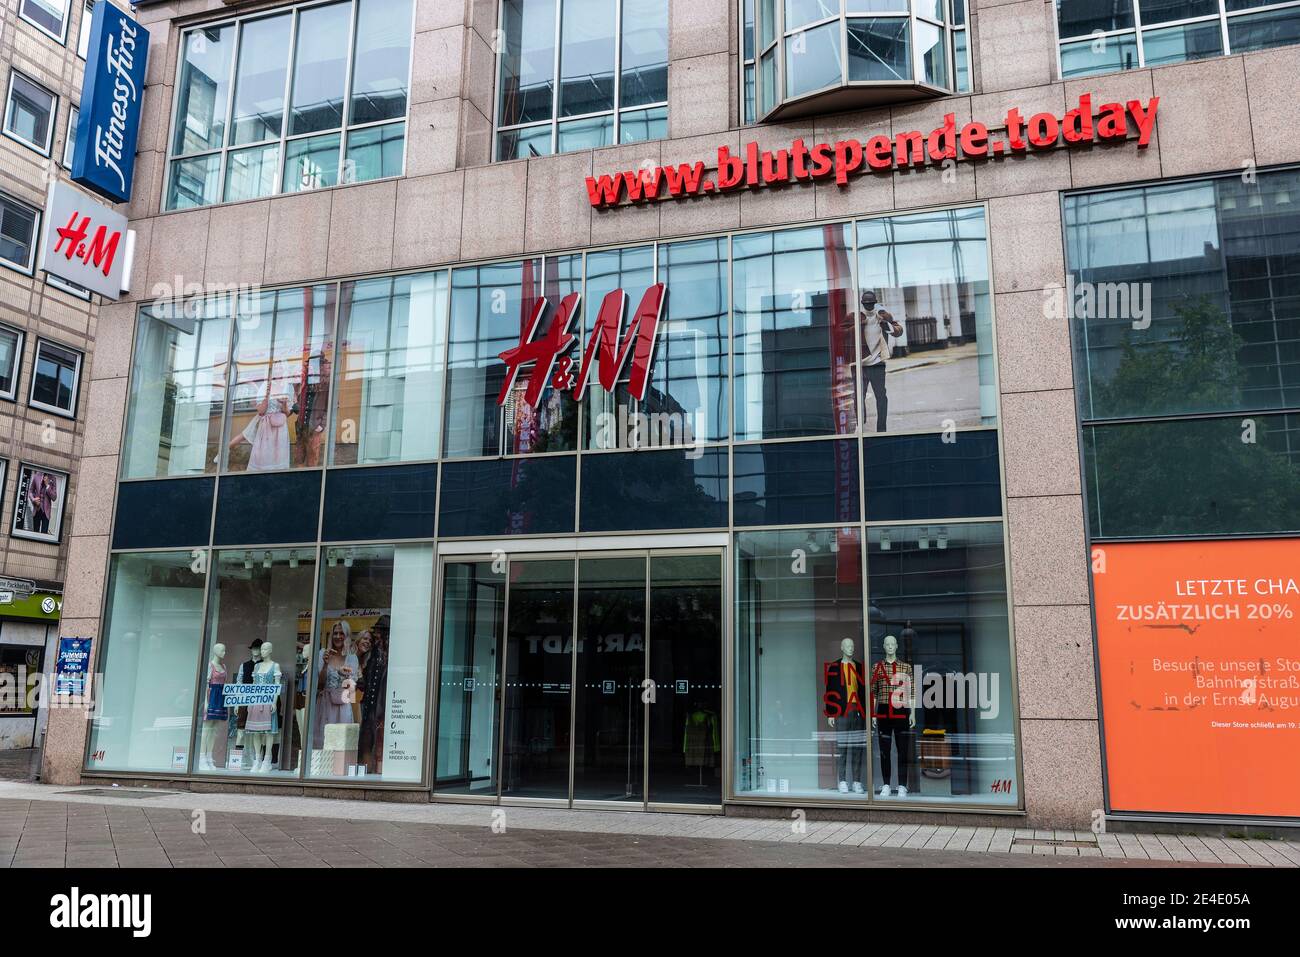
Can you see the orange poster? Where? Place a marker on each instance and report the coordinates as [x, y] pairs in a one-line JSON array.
[[1199, 651]]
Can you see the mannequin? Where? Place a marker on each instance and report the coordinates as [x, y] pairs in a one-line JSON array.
[[846, 715], [264, 719], [215, 713], [241, 713], [893, 714]]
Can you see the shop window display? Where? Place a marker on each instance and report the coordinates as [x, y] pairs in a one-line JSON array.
[[153, 632], [252, 715], [369, 662]]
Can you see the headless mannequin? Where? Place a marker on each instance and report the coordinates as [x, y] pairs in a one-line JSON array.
[[889, 711], [300, 714], [261, 740], [850, 741], [211, 725]]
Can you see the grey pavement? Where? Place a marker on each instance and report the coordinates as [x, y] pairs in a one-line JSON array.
[[44, 826]]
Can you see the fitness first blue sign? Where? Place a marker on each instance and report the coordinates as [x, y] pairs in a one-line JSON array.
[[104, 158]]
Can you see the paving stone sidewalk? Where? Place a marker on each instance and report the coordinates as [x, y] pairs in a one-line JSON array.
[[43, 826]]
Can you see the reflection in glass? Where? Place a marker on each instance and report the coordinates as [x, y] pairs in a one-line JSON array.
[[153, 631], [373, 617], [311, 163], [259, 635], [252, 173], [609, 716], [1262, 31], [813, 59], [685, 728], [204, 90], [523, 143], [668, 489], [258, 111], [931, 54], [391, 341], [194, 182], [793, 335], [796, 483], [473, 626], [521, 496], [925, 321], [320, 68], [942, 705], [589, 134], [645, 54], [587, 56], [538, 679], [527, 61], [381, 61], [799, 665], [878, 49], [1193, 41], [636, 126], [610, 421], [283, 356], [178, 389], [374, 153], [1104, 55]]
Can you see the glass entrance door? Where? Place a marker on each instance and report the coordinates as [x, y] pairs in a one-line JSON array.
[[609, 687]]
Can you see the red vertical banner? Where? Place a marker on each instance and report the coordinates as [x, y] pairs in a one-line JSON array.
[[839, 324]]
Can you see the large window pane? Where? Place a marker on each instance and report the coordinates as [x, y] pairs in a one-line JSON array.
[[1103, 55], [50, 15], [645, 53], [800, 678], [793, 333], [611, 416], [194, 182], [283, 356], [879, 50], [503, 497], [669, 489], [391, 344], [258, 112], [813, 59], [523, 143], [252, 717], [153, 633], [1079, 18], [11, 358], [1163, 11], [527, 61], [29, 114], [312, 163], [925, 325], [1194, 41], [794, 483], [636, 126], [204, 89], [320, 68], [1194, 477], [381, 61], [586, 57], [18, 233], [473, 626], [252, 173], [178, 390], [910, 477], [1185, 296], [942, 700], [395, 502], [589, 134], [374, 616], [374, 153], [1262, 31]]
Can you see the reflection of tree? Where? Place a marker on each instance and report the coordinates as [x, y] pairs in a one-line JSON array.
[[1192, 476]]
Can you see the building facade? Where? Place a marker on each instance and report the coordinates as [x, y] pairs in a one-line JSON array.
[[47, 338], [711, 405]]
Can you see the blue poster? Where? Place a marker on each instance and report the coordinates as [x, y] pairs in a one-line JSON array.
[[70, 668], [104, 157]]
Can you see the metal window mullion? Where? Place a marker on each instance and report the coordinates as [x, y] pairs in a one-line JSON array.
[[618, 70], [1223, 26], [555, 93], [348, 80], [291, 53], [1137, 36]]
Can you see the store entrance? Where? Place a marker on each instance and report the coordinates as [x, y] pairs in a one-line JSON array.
[[583, 679]]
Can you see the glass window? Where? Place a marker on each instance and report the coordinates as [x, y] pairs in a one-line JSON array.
[[879, 50], [1078, 18], [176, 513], [612, 416], [70, 139], [1163, 11], [260, 77], [396, 502], [799, 12], [1184, 296], [1192, 41], [11, 361], [342, 64], [1265, 30], [83, 31], [381, 61], [280, 388], [370, 661], [796, 483], [252, 706], [529, 496], [925, 325], [1103, 55], [793, 338], [668, 489], [813, 59], [1215, 476], [490, 309], [56, 373], [20, 674], [178, 389], [18, 224], [942, 700], [931, 52], [29, 114], [51, 16], [596, 65], [473, 626], [392, 339], [800, 679], [152, 637], [926, 476], [257, 509]]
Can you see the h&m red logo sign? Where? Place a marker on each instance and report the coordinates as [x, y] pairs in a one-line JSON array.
[[549, 354], [99, 250]]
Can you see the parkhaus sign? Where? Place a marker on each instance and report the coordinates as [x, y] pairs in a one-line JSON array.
[[1018, 134]]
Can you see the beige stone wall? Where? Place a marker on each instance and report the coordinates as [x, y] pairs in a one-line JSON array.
[[452, 206]]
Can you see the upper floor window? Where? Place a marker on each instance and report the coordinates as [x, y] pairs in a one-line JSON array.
[[29, 112], [19, 227], [310, 97], [580, 74], [49, 16], [83, 31], [812, 56], [1102, 37]]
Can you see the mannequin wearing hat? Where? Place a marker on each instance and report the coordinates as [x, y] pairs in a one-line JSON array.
[[246, 678]]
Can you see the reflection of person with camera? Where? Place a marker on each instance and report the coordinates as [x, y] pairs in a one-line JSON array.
[[877, 326], [373, 649]]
